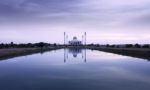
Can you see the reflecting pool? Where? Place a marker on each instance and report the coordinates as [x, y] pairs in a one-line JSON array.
[[74, 69]]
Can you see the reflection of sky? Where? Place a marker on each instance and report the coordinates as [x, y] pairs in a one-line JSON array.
[[97, 55], [49, 71], [105, 21]]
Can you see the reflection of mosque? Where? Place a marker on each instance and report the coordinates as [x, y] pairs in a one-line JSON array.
[[74, 52]]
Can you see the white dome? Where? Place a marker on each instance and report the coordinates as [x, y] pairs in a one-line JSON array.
[[75, 41]]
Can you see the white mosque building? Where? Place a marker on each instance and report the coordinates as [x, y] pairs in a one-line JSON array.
[[75, 41]]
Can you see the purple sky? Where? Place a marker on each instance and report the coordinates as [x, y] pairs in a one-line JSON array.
[[105, 21]]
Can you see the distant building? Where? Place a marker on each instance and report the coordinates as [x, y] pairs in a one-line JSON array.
[[75, 41]]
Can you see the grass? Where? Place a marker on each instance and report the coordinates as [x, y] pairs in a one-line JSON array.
[[143, 53], [15, 52]]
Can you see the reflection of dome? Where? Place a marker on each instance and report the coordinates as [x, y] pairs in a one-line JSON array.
[[75, 51], [74, 55]]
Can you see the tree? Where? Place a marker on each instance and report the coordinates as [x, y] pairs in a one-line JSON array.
[[146, 46], [129, 45], [107, 45], [41, 44], [137, 46], [2, 45], [12, 44], [55, 44], [113, 46]]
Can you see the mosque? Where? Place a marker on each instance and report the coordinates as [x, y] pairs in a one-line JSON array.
[[74, 41]]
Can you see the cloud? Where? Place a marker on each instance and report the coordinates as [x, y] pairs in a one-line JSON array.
[[28, 8], [100, 11], [99, 16]]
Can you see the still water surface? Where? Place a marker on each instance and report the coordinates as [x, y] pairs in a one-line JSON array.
[[73, 69]]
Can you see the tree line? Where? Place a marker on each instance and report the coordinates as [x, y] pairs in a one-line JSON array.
[[123, 46], [43, 44], [28, 45]]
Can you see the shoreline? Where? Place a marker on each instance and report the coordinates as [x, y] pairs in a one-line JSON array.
[[143, 53], [16, 52]]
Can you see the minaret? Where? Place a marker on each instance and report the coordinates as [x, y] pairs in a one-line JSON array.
[[85, 37], [67, 39], [82, 39], [64, 38]]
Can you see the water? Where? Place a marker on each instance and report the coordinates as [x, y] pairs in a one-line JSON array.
[[74, 70]]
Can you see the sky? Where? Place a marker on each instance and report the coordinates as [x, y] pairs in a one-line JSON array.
[[105, 21]]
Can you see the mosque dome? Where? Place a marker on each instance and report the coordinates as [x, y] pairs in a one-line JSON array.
[[75, 41]]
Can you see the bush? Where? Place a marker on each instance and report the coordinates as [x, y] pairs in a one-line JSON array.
[[107, 45], [146, 46], [137, 46], [113, 46], [129, 45]]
